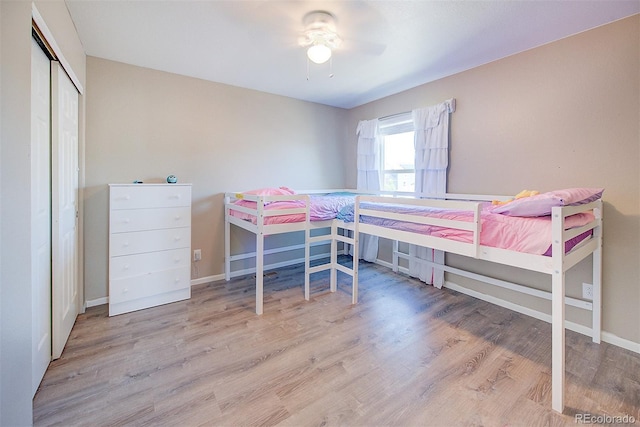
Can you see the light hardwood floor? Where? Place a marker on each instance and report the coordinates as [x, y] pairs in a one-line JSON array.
[[406, 355]]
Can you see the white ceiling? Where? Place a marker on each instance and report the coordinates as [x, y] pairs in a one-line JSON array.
[[389, 46]]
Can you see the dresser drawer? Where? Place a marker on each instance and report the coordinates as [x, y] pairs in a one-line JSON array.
[[149, 241], [156, 283], [149, 196], [136, 265], [126, 220]]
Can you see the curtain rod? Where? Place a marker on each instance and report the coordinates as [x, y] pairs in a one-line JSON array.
[[394, 115], [451, 103]]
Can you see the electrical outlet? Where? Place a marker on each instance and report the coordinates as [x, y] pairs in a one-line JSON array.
[[197, 254], [587, 291]]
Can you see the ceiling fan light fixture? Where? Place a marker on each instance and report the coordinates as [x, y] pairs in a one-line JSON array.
[[319, 53], [319, 36]]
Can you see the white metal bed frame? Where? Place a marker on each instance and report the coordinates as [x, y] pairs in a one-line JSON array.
[[555, 265]]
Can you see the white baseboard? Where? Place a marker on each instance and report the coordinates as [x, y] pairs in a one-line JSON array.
[[621, 342], [97, 301], [207, 279]]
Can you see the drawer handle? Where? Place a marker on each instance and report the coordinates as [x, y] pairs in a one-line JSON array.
[[176, 238], [127, 197], [126, 267], [127, 220], [125, 290], [176, 196], [176, 260], [177, 280], [177, 217]]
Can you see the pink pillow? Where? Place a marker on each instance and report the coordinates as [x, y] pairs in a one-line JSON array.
[[541, 204], [578, 196], [281, 191]]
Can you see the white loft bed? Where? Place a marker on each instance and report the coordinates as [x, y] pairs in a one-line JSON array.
[[261, 227], [555, 265]]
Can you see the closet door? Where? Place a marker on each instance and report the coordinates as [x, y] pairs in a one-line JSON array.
[[40, 215], [64, 165]]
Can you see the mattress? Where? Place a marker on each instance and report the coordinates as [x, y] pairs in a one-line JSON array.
[[522, 234], [321, 208]]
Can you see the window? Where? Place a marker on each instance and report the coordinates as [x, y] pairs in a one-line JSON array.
[[397, 153]]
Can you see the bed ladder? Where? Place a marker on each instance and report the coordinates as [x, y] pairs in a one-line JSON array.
[[337, 234]]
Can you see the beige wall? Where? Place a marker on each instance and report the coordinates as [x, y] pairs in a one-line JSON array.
[[562, 115], [145, 124], [15, 170]]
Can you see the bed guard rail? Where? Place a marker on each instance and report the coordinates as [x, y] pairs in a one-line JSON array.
[[377, 208]]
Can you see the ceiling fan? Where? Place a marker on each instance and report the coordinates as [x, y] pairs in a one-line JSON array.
[[320, 36], [308, 25]]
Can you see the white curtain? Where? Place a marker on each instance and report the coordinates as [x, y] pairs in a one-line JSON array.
[[431, 139], [368, 165]]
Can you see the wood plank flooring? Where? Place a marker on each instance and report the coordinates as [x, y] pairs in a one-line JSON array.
[[406, 355]]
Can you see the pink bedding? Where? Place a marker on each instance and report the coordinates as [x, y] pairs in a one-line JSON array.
[[523, 234], [322, 207], [530, 235]]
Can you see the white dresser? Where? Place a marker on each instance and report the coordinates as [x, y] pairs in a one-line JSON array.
[[149, 245]]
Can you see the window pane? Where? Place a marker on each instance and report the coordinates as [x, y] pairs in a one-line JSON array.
[[399, 151], [398, 162]]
